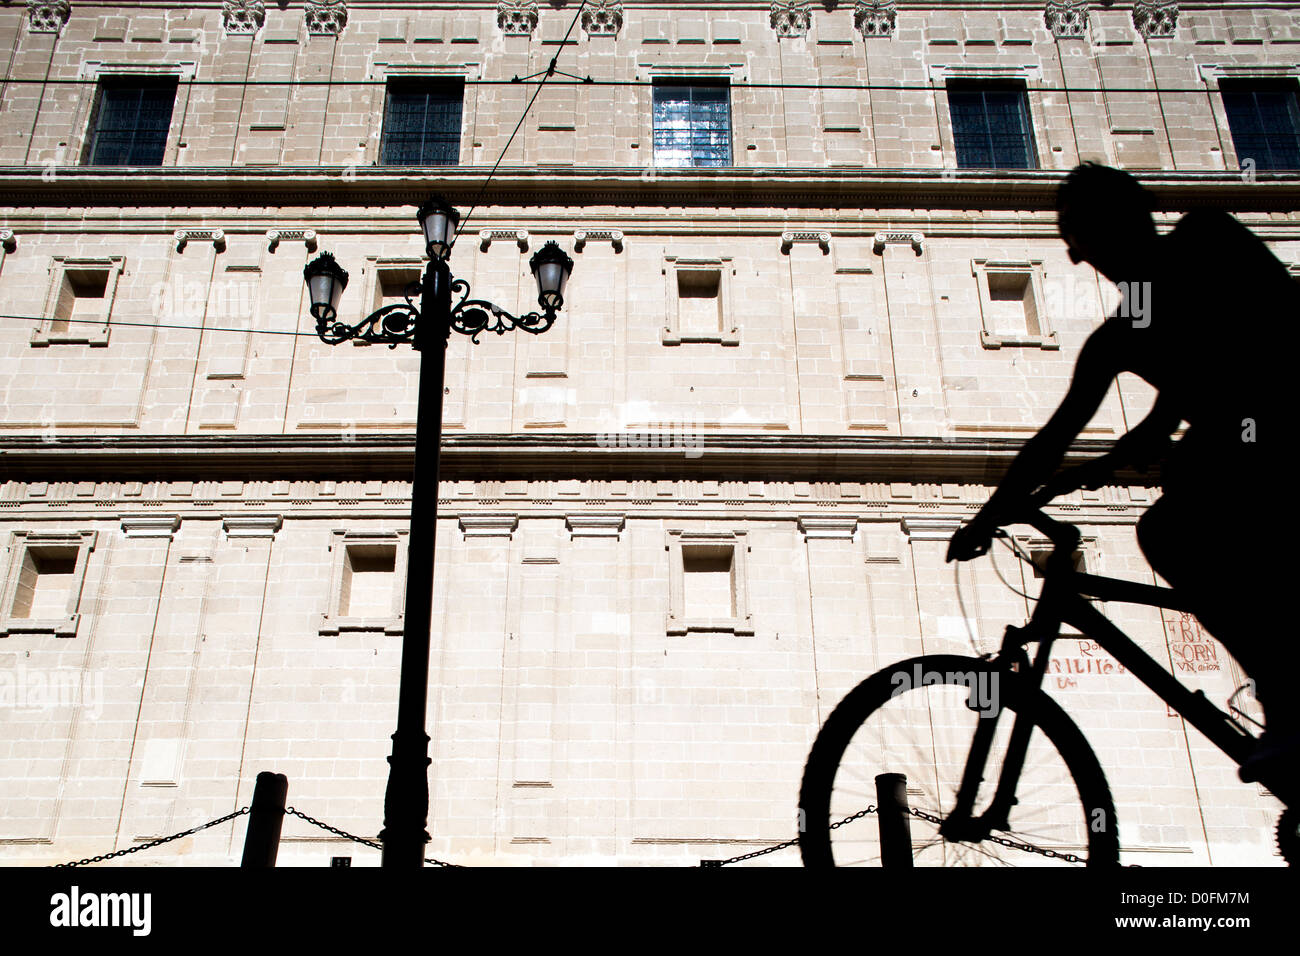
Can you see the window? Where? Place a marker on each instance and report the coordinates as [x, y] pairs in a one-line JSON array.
[[699, 296], [368, 583], [43, 586], [1265, 123], [422, 125], [709, 578], [1011, 304], [132, 119], [692, 125], [991, 128], [707, 589], [79, 301]]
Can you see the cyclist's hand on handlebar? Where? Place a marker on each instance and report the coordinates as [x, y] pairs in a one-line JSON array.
[[971, 540]]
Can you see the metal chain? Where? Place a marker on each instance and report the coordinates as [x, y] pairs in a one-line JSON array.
[[291, 811], [789, 843], [154, 843], [928, 817], [1003, 841]]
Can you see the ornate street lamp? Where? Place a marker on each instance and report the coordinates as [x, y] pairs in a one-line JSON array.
[[427, 325]]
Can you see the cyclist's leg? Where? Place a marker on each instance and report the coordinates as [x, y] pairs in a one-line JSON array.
[[1222, 566]]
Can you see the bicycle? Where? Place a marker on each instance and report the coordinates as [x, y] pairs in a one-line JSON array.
[[995, 792]]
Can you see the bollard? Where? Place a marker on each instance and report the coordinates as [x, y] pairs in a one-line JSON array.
[[265, 818], [895, 825]]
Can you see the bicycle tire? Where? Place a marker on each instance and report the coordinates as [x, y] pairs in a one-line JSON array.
[[1095, 832]]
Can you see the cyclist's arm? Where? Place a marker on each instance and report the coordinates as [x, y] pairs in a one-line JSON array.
[[1042, 454]]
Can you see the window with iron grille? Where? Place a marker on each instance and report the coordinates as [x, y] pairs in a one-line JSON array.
[[692, 125], [422, 125], [1265, 123], [991, 128], [132, 119]]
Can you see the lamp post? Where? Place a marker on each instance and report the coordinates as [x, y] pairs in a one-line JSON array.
[[427, 327]]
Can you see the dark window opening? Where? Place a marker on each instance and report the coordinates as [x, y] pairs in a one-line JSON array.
[[131, 123], [422, 125], [1264, 119], [991, 127]]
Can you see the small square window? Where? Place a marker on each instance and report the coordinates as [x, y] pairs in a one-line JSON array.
[[422, 124], [368, 584], [1265, 122], [368, 571], [709, 581], [1011, 304], [707, 590], [692, 125], [1011, 297], [44, 582], [132, 119], [79, 302], [43, 586], [699, 297], [991, 127], [1039, 557]]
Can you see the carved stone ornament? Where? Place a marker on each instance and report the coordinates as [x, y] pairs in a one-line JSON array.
[[47, 16], [326, 17], [791, 18], [1067, 19], [603, 18], [243, 16], [875, 18], [1155, 18], [517, 18]]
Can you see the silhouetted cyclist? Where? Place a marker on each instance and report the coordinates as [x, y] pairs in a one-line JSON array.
[[1208, 318]]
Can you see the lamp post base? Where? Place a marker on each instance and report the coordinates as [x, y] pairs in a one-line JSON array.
[[406, 803]]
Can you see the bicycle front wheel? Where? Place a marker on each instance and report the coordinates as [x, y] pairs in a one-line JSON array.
[[918, 718]]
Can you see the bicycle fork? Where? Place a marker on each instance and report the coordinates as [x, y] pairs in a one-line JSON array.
[[960, 825]]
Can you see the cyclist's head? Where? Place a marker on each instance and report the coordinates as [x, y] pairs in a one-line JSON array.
[[1104, 216]]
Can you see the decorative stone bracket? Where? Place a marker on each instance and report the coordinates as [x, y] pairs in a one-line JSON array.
[[252, 526], [882, 239], [790, 18], [517, 17], [1155, 19], [594, 526], [1067, 19], [488, 236], [47, 16], [489, 526], [613, 236], [828, 526], [275, 236], [326, 17], [875, 18], [243, 16], [602, 18], [788, 239], [215, 236]]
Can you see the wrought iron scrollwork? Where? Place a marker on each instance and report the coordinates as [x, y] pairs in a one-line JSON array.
[[473, 317], [392, 325], [395, 324]]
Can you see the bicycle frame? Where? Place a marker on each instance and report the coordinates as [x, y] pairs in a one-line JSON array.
[[1063, 600]]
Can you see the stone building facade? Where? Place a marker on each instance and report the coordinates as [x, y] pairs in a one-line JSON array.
[[675, 530]]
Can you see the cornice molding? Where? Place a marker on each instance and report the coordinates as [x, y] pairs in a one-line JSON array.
[[512, 457], [322, 187]]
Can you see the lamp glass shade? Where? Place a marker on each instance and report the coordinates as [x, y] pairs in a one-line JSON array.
[[552, 268], [326, 280], [438, 221]]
